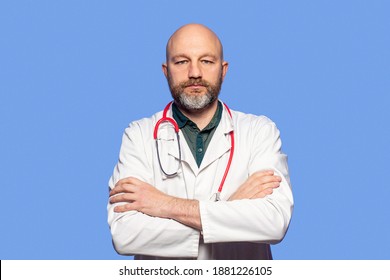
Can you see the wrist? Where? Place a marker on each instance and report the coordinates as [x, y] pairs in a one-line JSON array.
[[167, 209], [185, 211]]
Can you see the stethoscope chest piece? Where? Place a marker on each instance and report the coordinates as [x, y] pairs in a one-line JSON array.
[[216, 197]]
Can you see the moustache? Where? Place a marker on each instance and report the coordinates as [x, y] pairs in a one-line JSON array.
[[194, 82]]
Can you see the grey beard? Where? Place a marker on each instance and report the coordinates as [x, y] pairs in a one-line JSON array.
[[196, 102]]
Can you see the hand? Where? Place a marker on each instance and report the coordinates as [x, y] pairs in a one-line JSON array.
[[139, 196], [258, 185], [145, 198]]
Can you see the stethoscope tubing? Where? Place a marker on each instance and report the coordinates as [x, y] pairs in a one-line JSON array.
[[176, 127]]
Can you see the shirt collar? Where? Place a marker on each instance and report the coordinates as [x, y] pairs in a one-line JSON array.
[[182, 120], [179, 117]]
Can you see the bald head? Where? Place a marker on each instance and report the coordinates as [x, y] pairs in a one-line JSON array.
[[194, 37]]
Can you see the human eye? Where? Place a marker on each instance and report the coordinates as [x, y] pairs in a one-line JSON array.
[[207, 61], [181, 62]]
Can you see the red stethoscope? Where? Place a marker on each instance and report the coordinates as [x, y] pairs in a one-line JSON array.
[[176, 127]]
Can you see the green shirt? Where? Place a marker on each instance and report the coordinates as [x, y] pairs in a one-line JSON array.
[[198, 140]]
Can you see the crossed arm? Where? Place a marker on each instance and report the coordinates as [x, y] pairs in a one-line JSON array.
[[143, 197]]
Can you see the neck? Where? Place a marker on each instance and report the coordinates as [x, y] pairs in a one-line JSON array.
[[200, 117]]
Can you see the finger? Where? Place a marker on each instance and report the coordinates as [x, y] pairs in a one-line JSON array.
[[119, 189], [269, 178], [263, 193], [265, 179], [123, 188], [271, 185], [124, 208], [129, 180], [260, 174], [253, 191], [125, 197]]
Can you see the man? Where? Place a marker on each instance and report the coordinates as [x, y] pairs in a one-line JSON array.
[[166, 199]]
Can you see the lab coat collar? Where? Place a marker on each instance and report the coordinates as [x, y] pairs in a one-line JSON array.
[[221, 142]]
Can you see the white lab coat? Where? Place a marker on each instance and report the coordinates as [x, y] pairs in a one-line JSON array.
[[241, 229]]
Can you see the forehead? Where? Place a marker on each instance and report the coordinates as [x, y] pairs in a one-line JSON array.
[[194, 42]]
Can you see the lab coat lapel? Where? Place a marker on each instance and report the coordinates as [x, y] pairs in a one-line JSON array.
[[186, 154], [220, 143]]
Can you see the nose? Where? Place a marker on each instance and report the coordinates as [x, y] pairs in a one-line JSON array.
[[194, 71]]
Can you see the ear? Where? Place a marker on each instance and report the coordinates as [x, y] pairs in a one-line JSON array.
[[225, 66], [165, 69]]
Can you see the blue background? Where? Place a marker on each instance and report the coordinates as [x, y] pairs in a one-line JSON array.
[[73, 74]]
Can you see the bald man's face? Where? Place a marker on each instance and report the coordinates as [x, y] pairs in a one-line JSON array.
[[194, 68]]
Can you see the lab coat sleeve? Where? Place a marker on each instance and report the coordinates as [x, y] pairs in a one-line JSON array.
[[134, 232], [263, 220]]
